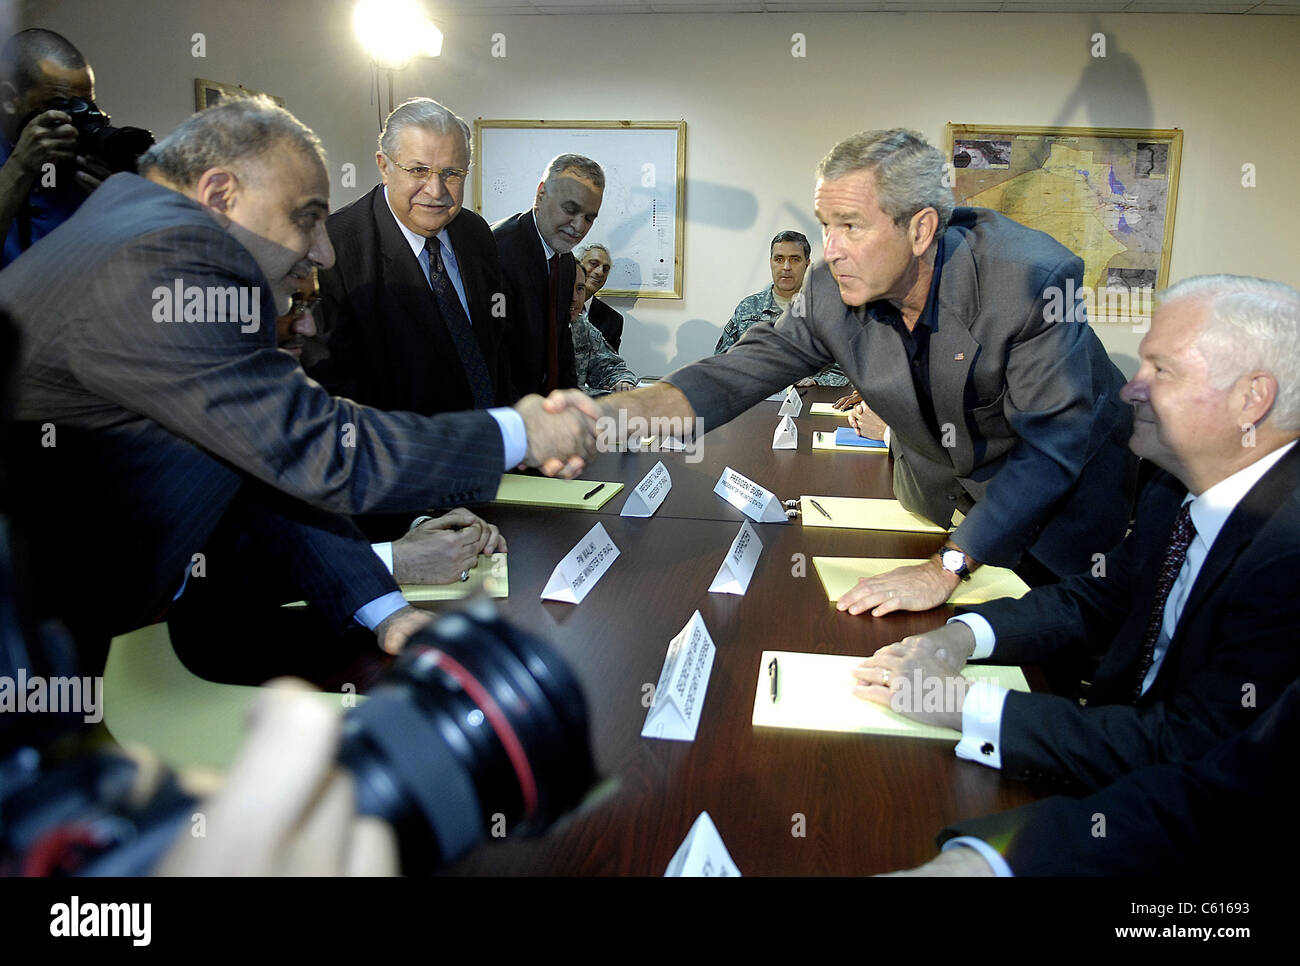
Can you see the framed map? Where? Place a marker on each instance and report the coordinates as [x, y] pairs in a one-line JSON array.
[[1107, 194]]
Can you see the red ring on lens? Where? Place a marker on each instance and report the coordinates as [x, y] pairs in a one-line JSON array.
[[500, 724]]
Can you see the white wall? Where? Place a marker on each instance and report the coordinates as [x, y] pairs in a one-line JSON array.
[[757, 118]]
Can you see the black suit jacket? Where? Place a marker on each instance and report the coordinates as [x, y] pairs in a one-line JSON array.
[[1037, 433], [1226, 813], [527, 286], [159, 421], [607, 321], [1233, 652], [386, 343]]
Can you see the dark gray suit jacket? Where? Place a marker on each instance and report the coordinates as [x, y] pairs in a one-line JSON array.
[[1040, 435], [157, 424], [388, 346], [1233, 653], [523, 263]]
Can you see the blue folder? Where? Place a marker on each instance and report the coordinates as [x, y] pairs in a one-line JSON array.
[[848, 436]]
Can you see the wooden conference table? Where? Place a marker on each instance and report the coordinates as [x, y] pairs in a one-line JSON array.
[[869, 804]]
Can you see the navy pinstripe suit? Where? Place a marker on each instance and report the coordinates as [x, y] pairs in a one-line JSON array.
[[156, 425]]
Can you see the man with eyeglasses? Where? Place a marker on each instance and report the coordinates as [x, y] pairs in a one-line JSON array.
[[295, 327], [537, 258], [410, 314], [407, 313]]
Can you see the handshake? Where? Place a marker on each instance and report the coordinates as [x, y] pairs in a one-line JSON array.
[[561, 431]]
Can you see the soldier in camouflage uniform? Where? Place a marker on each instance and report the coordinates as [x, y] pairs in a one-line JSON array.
[[600, 369], [789, 253]]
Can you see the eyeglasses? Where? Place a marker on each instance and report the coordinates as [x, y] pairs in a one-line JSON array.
[[421, 173], [300, 304]]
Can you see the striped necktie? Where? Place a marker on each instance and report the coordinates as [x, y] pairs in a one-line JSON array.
[[453, 316]]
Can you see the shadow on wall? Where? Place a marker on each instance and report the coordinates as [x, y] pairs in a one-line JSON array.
[[708, 203], [695, 340], [642, 341], [645, 342], [718, 206], [1111, 91]]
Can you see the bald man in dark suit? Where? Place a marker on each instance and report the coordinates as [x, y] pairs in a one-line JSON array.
[[536, 248], [149, 367]]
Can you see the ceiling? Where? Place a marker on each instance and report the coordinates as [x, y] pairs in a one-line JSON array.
[[601, 7]]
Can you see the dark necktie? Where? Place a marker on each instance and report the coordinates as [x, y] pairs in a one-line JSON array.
[[453, 316], [552, 327], [1179, 539]]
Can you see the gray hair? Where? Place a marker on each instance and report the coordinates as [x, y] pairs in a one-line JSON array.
[[585, 168], [581, 252], [426, 113], [909, 172], [235, 129], [1252, 324]]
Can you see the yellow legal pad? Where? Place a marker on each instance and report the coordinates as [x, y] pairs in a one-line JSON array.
[[827, 441], [860, 514], [827, 409], [491, 575], [815, 693], [840, 574], [562, 494], [152, 699]]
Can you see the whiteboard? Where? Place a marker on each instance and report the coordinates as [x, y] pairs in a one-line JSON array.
[[643, 210]]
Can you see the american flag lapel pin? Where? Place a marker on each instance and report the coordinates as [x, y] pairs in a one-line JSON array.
[[959, 357]]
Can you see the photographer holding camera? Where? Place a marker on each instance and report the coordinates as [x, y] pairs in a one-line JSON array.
[[57, 146]]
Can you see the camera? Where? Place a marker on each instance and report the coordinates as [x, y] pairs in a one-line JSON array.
[[117, 148], [476, 726]]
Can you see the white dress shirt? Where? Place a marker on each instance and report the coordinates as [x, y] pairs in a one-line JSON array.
[[981, 716], [449, 262]]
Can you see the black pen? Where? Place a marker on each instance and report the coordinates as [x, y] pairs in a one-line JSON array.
[[819, 509], [771, 674], [593, 491]]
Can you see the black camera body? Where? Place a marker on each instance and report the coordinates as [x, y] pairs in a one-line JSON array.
[[117, 148], [478, 729]]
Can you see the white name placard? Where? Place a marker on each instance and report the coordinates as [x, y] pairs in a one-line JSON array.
[[779, 396], [649, 493], [792, 405], [750, 498], [702, 853], [575, 575], [679, 695], [738, 566], [786, 435]]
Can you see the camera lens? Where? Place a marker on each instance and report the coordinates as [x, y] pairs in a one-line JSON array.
[[478, 726]]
